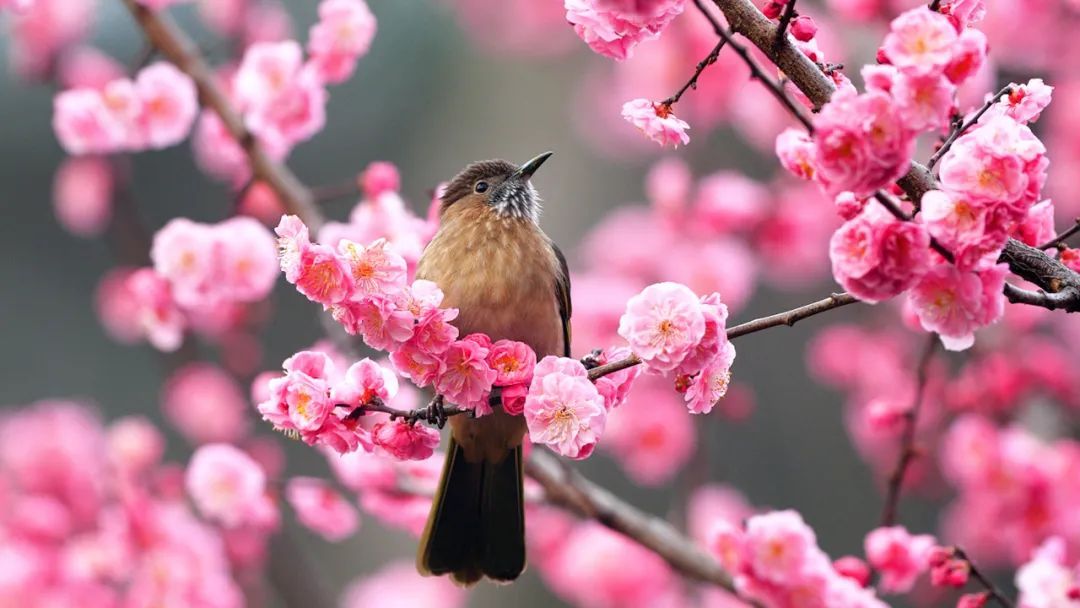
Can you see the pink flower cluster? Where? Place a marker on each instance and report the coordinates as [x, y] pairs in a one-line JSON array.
[[898, 556], [154, 111], [672, 330], [1013, 490], [92, 517], [563, 409], [341, 37], [876, 256], [614, 27], [775, 560], [396, 492], [657, 121], [321, 508], [229, 487], [1048, 580]]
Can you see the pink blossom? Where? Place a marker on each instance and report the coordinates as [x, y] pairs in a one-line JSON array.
[[1038, 227], [803, 28], [899, 556], [875, 256], [83, 195], [853, 568], [382, 322], [433, 332], [83, 124], [780, 546], [265, 72], [512, 361], [217, 152], [713, 343], [322, 275], [954, 303], [293, 241], [1001, 161], [563, 409], [796, 151], [727, 202], [365, 380], [225, 484], [404, 441], [169, 104], [116, 306], [663, 324], [156, 313], [398, 584], [467, 377], [321, 509], [650, 436], [656, 121], [925, 101], [920, 41], [1025, 102], [667, 186], [513, 398], [375, 269], [247, 260], [342, 35], [379, 177], [135, 445], [295, 114], [615, 387], [1047, 580], [205, 404], [965, 12], [416, 364], [974, 231], [973, 600], [969, 56], [183, 252], [948, 570], [711, 384], [87, 67], [613, 29], [861, 144]]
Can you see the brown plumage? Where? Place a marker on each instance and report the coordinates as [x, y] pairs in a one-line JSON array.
[[509, 281]]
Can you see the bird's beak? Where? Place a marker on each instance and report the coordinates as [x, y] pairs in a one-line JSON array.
[[526, 171]]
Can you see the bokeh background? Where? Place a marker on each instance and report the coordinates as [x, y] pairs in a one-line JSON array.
[[430, 98]]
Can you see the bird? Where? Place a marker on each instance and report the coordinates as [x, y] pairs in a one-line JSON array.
[[508, 280]]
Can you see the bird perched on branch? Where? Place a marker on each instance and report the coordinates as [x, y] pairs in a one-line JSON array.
[[509, 281]]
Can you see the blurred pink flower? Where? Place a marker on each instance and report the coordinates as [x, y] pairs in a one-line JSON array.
[[342, 35], [205, 404], [135, 445], [614, 28], [83, 195], [157, 316], [657, 122], [398, 584], [226, 485], [650, 436], [168, 101], [898, 556], [563, 409], [321, 509]]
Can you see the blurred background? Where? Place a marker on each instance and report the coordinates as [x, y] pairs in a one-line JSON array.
[[432, 96]]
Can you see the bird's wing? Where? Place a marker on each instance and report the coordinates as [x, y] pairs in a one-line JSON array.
[[562, 292]]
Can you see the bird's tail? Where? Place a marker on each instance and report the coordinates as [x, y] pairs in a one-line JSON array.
[[477, 523]]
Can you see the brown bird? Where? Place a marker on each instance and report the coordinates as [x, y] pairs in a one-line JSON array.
[[509, 281]]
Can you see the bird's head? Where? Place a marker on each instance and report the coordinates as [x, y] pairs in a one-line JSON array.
[[504, 187]]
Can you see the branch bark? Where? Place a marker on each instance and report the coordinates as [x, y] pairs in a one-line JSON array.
[[1060, 285]]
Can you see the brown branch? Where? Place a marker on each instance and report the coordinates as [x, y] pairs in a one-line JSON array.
[[960, 128], [178, 48], [756, 71], [692, 83], [908, 452], [330, 192], [568, 489], [987, 584], [1041, 269], [1060, 239]]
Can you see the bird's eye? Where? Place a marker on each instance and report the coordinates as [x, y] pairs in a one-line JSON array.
[[481, 186]]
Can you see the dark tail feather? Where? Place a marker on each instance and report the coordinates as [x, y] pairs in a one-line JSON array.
[[477, 521]]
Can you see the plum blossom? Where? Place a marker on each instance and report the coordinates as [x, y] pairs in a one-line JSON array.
[[467, 377], [954, 303], [796, 152], [83, 195], [156, 314], [342, 35], [226, 484], [398, 584], [363, 381], [663, 324], [135, 445], [283, 101], [404, 441], [205, 404], [861, 143], [169, 104], [1047, 580], [925, 101], [83, 124], [975, 231], [615, 387], [899, 556], [1025, 102], [375, 269], [876, 256], [650, 436], [968, 58], [381, 320], [512, 361], [778, 544], [322, 509], [563, 409], [657, 122], [614, 28], [711, 384], [920, 41]]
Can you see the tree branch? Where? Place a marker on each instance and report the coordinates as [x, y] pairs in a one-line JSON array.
[[962, 127], [1062, 285], [1060, 239], [692, 83], [785, 21], [990, 587], [908, 451]]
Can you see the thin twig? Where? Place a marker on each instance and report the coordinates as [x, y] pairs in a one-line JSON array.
[[330, 192], [995, 593], [756, 71], [785, 21], [908, 452], [962, 127], [1061, 238]]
